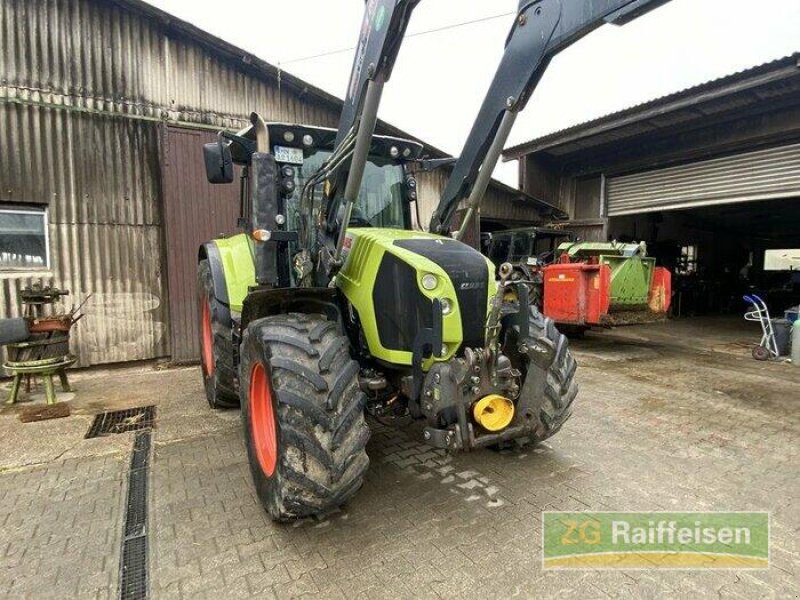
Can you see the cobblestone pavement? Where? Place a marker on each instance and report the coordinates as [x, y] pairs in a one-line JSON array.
[[658, 427], [59, 529]]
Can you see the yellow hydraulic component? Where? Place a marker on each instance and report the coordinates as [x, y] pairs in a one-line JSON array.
[[493, 412]]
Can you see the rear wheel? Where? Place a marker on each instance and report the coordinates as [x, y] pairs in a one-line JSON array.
[[216, 345], [552, 389], [303, 415]]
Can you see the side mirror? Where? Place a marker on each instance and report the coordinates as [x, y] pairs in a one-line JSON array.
[[219, 163]]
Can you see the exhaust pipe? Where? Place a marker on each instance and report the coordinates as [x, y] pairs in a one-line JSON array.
[[493, 412]]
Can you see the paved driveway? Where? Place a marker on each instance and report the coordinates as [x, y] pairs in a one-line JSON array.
[[662, 424]]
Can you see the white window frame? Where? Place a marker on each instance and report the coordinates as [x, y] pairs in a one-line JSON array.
[[769, 264], [45, 212], [688, 259]]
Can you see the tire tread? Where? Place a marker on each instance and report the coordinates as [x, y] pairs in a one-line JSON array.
[[323, 435]]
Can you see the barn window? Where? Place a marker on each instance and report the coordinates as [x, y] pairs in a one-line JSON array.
[[24, 243], [688, 261], [786, 259]]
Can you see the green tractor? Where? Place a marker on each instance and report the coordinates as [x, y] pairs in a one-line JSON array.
[[330, 306]]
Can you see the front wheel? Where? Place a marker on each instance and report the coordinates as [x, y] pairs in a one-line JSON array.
[[548, 392], [303, 415]]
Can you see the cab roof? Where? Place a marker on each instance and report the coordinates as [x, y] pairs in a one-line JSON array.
[[292, 134]]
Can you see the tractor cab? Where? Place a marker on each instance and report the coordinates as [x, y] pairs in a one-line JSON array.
[[300, 151], [532, 246]]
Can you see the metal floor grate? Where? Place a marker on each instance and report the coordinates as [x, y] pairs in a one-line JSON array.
[[121, 421]]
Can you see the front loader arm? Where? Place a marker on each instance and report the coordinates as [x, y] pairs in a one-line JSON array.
[[542, 29], [382, 31]]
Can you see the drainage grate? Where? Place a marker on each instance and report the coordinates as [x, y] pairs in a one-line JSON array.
[[120, 421], [136, 516], [133, 584], [133, 565]]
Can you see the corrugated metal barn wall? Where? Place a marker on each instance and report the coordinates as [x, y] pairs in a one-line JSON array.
[[497, 204], [85, 85], [99, 177], [96, 55]]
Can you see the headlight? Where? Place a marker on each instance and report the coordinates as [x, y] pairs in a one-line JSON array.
[[288, 137], [447, 306], [394, 152], [429, 281], [308, 140]]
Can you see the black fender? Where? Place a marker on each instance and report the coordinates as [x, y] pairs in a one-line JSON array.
[[210, 252], [264, 302]]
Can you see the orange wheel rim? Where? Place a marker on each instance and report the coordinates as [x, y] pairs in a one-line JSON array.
[[262, 419], [207, 351]]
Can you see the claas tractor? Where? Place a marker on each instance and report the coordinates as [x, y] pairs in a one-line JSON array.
[[329, 306], [581, 284]]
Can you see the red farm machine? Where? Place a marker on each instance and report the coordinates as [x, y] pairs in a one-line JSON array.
[[584, 284]]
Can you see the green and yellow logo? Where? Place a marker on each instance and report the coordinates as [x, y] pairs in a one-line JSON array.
[[656, 540]]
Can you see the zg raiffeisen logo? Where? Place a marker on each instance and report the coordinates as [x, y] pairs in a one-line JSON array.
[[656, 540]]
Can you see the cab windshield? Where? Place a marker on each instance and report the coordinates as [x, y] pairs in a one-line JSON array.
[[380, 201]]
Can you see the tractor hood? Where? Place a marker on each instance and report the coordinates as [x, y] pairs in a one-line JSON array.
[[391, 277]]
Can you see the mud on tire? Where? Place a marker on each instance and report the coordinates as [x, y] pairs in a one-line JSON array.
[[556, 388], [216, 346], [318, 413]]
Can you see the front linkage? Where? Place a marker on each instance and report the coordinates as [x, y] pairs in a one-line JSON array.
[[498, 394]]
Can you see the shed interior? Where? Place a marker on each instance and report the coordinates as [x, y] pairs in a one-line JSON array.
[[717, 253]]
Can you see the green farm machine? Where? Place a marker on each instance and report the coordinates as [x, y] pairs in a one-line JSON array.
[[329, 305], [581, 284]]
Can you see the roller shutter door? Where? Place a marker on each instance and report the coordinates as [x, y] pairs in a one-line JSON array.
[[760, 175]]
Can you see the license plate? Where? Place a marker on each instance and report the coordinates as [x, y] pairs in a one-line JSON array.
[[289, 155]]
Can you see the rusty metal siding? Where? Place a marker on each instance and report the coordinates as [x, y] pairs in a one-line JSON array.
[[430, 186], [98, 56], [85, 84], [100, 176], [194, 212], [497, 204]]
